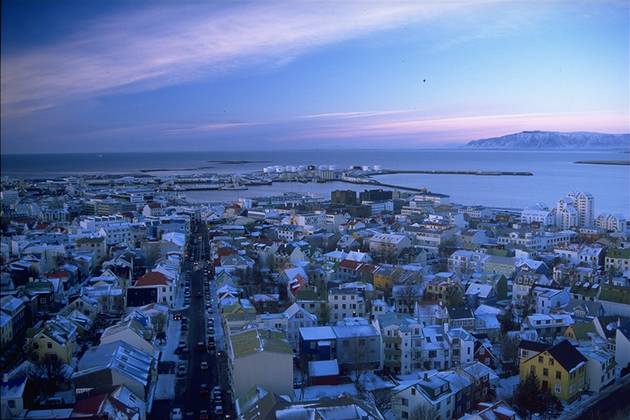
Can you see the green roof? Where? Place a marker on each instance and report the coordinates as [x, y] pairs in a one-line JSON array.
[[253, 341], [581, 329], [615, 294], [619, 253]]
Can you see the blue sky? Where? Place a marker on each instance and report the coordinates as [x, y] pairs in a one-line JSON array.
[[138, 76]]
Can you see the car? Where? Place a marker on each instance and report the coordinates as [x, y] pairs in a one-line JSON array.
[[216, 390], [182, 370], [211, 330], [220, 354], [176, 414], [211, 339], [218, 410], [203, 389], [211, 345], [199, 295], [184, 327], [200, 346], [203, 415], [204, 365]]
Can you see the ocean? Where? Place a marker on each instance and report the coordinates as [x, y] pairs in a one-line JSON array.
[[555, 172]]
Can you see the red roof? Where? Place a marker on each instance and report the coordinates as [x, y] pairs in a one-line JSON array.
[[349, 264], [368, 268], [89, 405], [152, 278], [58, 275], [225, 251]]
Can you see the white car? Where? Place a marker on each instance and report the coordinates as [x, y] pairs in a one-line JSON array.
[[176, 414]]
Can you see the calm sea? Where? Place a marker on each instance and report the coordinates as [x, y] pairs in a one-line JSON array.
[[555, 172]]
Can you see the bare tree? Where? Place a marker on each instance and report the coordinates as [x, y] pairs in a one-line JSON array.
[[47, 374], [406, 298], [509, 348], [423, 412]]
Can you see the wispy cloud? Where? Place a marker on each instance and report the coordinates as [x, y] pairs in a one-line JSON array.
[[208, 127], [462, 128], [166, 45], [354, 114]]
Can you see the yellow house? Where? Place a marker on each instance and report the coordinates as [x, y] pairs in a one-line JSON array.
[[383, 278], [57, 338], [560, 370]]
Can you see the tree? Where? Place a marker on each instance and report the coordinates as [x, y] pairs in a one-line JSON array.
[[530, 398], [502, 288], [509, 348], [323, 315], [527, 396], [48, 374], [159, 326], [423, 412], [406, 298], [507, 324], [454, 296]]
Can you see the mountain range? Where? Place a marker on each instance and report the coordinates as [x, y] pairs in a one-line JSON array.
[[553, 140]]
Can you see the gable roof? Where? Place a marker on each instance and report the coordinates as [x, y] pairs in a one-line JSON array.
[[152, 278], [536, 346], [567, 355]]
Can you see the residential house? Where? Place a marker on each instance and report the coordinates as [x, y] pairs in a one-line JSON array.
[[561, 370], [262, 358]]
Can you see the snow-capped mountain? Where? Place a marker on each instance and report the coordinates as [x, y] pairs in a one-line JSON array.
[[553, 140]]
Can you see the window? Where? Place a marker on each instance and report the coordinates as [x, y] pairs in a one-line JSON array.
[[404, 414], [551, 362], [558, 375], [541, 359], [49, 344], [557, 388], [405, 402], [545, 372], [413, 391]]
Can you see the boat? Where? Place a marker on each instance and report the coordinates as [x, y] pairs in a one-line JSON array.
[[235, 186]]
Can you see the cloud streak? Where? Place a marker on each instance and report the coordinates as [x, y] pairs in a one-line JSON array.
[[164, 46]]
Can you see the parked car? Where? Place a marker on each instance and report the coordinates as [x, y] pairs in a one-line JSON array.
[[204, 365], [203, 415], [176, 414], [182, 370], [203, 389], [218, 410]]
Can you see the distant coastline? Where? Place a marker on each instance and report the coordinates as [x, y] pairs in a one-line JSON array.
[[603, 162]]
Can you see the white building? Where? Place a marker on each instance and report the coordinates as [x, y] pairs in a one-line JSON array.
[[345, 303], [543, 216], [611, 222], [585, 206], [388, 244]]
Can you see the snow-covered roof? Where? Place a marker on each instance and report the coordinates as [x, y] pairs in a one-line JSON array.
[[323, 368]]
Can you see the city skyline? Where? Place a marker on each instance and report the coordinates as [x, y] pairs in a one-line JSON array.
[[101, 77]]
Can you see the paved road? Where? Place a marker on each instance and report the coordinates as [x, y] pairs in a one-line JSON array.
[[611, 403], [187, 390]]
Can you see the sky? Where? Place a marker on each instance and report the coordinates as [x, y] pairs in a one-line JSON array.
[[112, 76]]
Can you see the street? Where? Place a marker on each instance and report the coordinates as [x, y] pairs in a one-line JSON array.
[[194, 392]]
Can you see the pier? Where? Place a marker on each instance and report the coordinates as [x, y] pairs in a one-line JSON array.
[[447, 172]]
